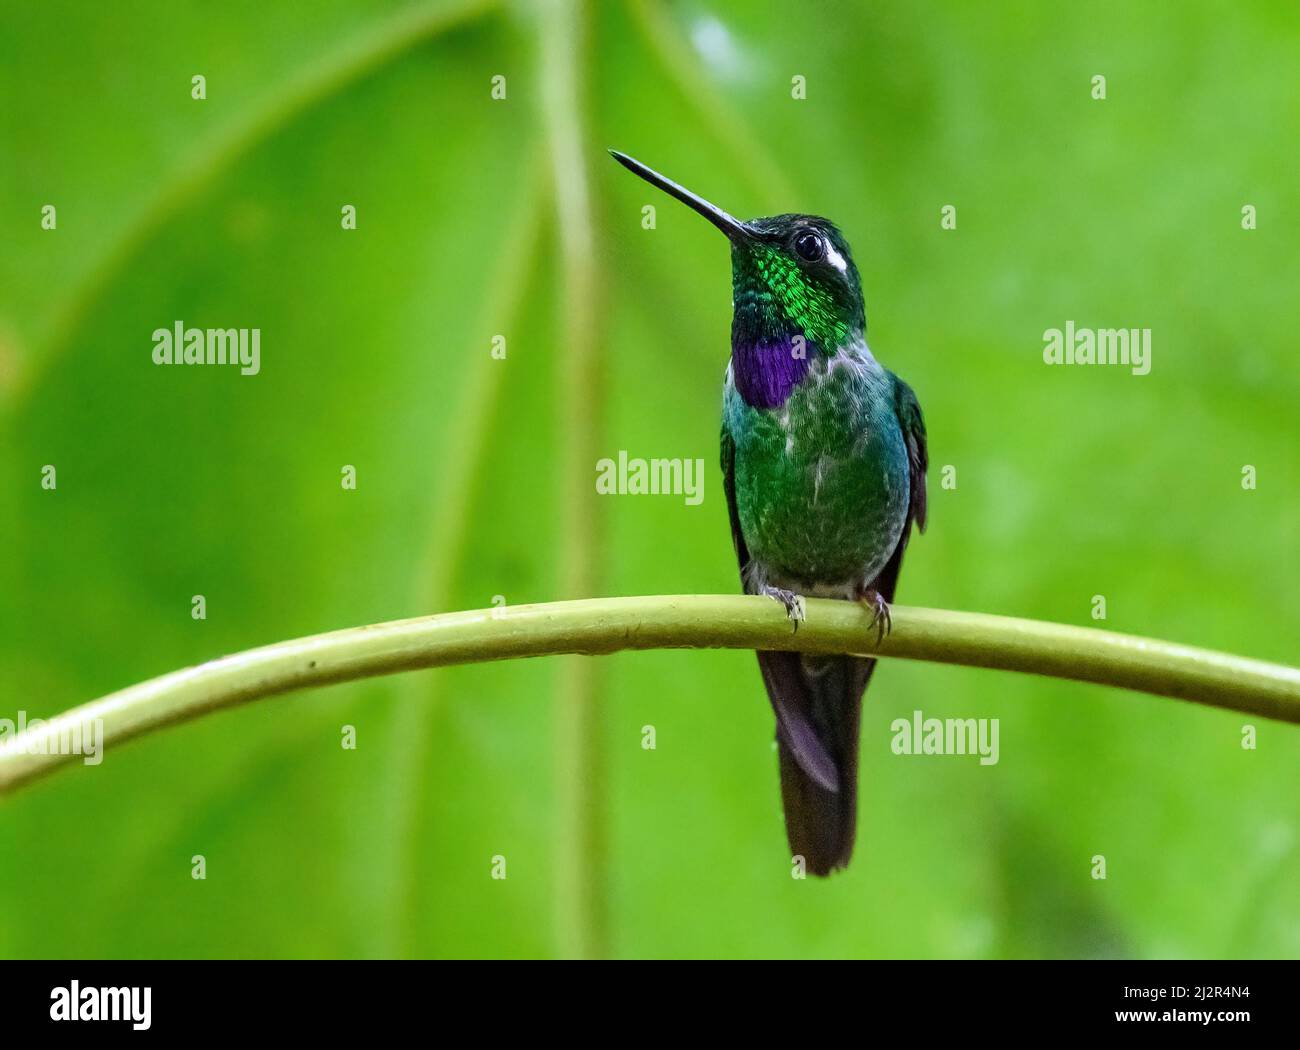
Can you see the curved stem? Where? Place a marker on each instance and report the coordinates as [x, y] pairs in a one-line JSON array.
[[606, 625]]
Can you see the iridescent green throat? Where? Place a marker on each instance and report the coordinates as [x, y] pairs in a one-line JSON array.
[[787, 312], [775, 299]]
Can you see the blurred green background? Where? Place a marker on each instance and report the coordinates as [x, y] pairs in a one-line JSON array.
[[472, 480]]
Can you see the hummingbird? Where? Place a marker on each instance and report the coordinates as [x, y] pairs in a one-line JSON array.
[[823, 463]]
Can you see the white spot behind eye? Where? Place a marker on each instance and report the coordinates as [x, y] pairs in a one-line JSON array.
[[835, 258]]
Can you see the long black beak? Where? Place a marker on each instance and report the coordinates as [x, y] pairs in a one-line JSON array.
[[731, 226]]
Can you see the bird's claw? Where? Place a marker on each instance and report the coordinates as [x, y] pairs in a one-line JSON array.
[[793, 603], [881, 619]]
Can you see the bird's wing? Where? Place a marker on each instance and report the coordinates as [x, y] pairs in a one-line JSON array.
[[729, 486], [912, 423], [786, 684], [918, 455]]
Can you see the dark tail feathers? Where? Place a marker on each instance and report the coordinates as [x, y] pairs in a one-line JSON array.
[[820, 824]]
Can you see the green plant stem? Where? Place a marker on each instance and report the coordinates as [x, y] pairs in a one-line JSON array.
[[581, 869], [606, 625], [454, 478]]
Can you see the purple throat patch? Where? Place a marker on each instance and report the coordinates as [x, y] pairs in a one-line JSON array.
[[766, 374]]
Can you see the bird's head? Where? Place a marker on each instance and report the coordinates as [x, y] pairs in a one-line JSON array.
[[792, 275]]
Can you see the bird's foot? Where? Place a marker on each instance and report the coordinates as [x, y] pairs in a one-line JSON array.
[[794, 604], [881, 619]]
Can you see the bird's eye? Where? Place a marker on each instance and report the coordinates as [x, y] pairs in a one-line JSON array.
[[809, 246]]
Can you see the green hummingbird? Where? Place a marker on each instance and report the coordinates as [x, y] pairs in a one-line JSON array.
[[823, 461]]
